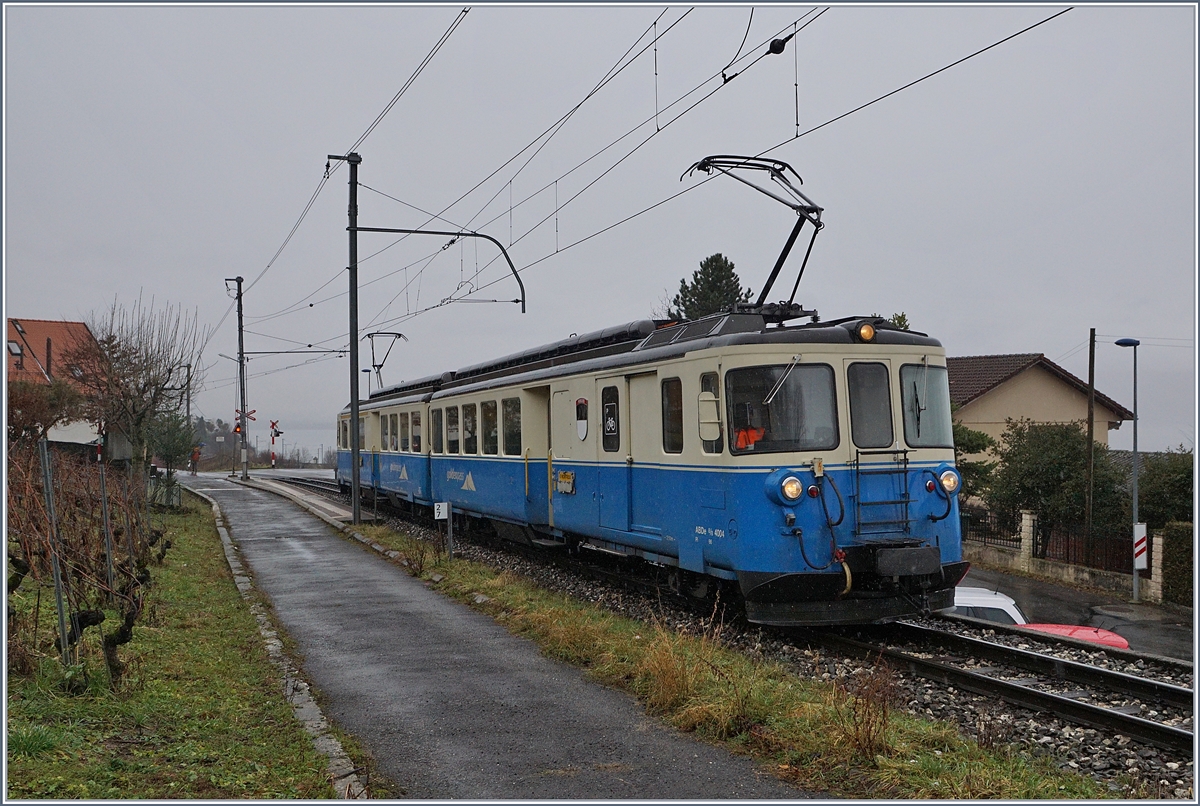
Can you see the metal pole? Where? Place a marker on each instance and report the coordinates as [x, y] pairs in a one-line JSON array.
[[1091, 438], [56, 569], [450, 531], [1135, 470], [242, 383], [355, 456], [108, 546]]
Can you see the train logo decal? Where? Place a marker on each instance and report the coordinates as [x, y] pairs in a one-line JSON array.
[[469, 483], [581, 418], [403, 473]]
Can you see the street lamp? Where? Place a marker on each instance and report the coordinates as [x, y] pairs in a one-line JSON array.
[[1139, 529]]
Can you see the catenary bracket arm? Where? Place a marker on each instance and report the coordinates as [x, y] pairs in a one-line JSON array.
[[460, 234]]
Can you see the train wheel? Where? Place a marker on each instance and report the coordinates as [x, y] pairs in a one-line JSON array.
[[686, 583]]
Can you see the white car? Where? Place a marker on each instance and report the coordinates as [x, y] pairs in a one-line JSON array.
[[993, 606]]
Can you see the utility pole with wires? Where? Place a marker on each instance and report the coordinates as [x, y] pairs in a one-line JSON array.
[[241, 360], [353, 160]]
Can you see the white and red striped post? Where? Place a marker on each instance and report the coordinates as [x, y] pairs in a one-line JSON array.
[[274, 426]]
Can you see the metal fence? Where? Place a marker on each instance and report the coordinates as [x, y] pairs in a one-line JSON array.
[[981, 526], [1104, 549]]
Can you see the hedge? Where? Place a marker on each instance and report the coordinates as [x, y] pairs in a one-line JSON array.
[[1178, 543]]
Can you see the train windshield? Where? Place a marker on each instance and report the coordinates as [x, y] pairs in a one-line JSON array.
[[925, 395], [786, 407]]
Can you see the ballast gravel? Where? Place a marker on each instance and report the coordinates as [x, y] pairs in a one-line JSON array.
[[1126, 768]]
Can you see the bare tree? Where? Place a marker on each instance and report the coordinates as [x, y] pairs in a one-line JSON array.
[[138, 367]]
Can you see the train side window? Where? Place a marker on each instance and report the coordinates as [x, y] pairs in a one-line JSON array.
[[362, 433], [610, 416], [470, 434], [452, 429], [511, 412], [345, 440], [488, 427], [404, 431], [384, 433], [710, 382], [870, 404], [672, 414], [416, 432], [435, 428]]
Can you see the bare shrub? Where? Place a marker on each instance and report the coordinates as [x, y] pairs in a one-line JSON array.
[[993, 731], [862, 708]]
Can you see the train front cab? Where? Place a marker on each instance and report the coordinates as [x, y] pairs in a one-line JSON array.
[[855, 518]]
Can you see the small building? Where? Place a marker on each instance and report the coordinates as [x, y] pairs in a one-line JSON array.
[[37, 350], [991, 389]]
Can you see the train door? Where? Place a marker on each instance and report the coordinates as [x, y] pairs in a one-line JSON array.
[[645, 448], [537, 453], [614, 464], [880, 490]]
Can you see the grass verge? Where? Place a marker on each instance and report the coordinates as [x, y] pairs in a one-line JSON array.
[[848, 740], [199, 712]]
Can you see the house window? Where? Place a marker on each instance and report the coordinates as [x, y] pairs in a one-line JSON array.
[[488, 426], [672, 414], [404, 431], [510, 409]]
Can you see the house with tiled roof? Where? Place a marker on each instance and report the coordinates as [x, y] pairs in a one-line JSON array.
[[991, 389], [37, 352]]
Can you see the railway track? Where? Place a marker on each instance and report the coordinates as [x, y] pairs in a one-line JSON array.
[[1076, 692]]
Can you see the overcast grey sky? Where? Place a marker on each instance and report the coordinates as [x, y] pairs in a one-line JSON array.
[[1005, 205]]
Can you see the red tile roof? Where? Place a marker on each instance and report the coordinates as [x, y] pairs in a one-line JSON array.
[[973, 376], [41, 344]]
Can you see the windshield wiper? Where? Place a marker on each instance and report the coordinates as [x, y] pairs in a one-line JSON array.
[[779, 383]]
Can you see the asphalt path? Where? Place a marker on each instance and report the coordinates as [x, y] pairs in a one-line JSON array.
[[448, 703]]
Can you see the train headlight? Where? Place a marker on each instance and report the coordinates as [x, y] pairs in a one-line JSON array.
[[791, 488], [949, 480], [866, 331]]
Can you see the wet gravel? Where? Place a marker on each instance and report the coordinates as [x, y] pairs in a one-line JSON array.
[[1125, 767]]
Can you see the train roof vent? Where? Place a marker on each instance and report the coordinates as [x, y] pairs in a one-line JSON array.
[[715, 324], [566, 349]]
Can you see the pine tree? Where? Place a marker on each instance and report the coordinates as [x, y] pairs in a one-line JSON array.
[[715, 285]]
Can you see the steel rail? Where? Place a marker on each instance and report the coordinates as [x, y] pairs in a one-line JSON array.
[[1143, 730], [1066, 670]]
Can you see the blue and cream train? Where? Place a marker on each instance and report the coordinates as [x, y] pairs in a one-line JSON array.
[[812, 466]]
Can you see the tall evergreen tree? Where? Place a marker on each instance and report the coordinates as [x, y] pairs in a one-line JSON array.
[[715, 285]]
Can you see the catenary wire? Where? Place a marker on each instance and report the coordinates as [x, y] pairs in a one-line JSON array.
[[802, 134]]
